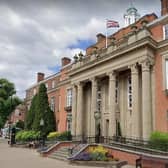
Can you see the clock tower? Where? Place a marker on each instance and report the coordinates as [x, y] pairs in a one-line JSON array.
[[131, 15]]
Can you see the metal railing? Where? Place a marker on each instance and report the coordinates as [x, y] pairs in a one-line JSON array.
[[133, 144]]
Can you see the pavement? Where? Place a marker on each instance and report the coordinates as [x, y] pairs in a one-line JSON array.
[[29, 158]]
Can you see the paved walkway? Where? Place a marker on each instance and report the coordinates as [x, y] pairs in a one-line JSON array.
[[26, 158]]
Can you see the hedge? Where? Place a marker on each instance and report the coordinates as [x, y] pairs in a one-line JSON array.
[[159, 141], [63, 136], [27, 135]]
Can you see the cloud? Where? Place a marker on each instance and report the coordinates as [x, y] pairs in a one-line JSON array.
[[34, 35]]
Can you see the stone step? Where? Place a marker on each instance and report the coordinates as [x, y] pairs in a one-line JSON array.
[[60, 154], [57, 157]]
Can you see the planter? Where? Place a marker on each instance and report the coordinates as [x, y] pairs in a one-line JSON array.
[[109, 164]]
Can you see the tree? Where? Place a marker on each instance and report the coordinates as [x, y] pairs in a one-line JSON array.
[[31, 114], [44, 112], [7, 102]]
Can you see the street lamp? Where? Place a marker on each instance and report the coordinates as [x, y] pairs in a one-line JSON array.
[[42, 134], [97, 116]]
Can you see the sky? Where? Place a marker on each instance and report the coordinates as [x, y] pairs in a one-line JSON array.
[[36, 34]]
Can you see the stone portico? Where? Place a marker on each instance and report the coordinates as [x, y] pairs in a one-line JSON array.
[[116, 84]]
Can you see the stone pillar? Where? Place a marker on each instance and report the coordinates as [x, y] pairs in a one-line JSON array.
[[74, 106], [112, 104], [93, 107], [79, 121], [146, 100], [153, 97], [136, 118]]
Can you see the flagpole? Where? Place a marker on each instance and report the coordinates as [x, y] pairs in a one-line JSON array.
[[106, 33]]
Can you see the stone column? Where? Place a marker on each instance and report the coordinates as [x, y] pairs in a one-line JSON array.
[[74, 106], [79, 121], [112, 104], [153, 96], [93, 107], [135, 102], [146, 100]]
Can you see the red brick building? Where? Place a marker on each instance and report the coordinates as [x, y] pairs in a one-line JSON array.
[[138, 56], [57, 87], [18, 114]]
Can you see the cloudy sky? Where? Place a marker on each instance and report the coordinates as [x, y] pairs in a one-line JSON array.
[[35, 34]]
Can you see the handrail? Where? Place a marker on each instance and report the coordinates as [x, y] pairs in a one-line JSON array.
[[138, 145]]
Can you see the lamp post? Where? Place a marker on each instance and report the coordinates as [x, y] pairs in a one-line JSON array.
[[42, 134], [97, 117]]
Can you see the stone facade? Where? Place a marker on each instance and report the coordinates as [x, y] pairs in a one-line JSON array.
[[126, 74], [118, 90]]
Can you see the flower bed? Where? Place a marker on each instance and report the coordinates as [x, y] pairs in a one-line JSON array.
[[95, 153]]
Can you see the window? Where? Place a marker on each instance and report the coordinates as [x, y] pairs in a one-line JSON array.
[[59, 105], [34, 91], [116, 91], [99, 98], [69, 122], [53, 84], [166, 74], [165, 31], [28, 106], [52, 104], [16, 112], [129, 92], [69, 98], [46, 85]]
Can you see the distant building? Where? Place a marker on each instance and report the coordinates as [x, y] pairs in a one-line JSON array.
[[18, 114], [118, 90], [59, 95]]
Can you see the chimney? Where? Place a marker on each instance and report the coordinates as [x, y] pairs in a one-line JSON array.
[[65, 61], [100, 37], [40, 76], [164, 7]]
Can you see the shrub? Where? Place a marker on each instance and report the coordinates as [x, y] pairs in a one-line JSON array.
[[53, 135], [159, 141], [64, 136], [27, 135]]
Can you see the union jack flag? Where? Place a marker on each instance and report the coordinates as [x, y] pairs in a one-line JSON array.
[[112, 23]]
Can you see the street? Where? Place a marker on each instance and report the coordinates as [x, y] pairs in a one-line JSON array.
[[21, 157], [28, 158]]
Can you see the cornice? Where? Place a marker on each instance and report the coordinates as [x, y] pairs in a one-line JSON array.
[[104, 57]]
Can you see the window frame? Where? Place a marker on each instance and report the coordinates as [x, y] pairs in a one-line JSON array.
[[165, 77], [53, 84], [52, 103], [69, 97], [165, 31], [129, 92]]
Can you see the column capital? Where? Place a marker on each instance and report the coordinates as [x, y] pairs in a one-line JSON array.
[[80, 83], [134, 68], [146, 64], [112, 75], [73, 83], [94, 81]]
